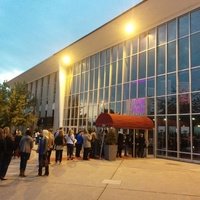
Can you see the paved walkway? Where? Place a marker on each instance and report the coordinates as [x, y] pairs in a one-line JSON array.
[[123, 179]]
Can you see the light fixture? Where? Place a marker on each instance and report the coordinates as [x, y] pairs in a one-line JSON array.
[[129, 28], [66, 60]]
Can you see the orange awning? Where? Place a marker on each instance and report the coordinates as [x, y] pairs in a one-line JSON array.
[[124, 121]]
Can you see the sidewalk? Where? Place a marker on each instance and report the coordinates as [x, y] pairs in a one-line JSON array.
[[124, 179]]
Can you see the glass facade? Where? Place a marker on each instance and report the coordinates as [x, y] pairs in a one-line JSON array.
[[158, 70]]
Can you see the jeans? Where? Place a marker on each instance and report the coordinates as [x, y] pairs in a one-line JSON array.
[[24, 159]]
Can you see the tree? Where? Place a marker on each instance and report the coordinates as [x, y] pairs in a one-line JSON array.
[[4, 99], [19, 106]]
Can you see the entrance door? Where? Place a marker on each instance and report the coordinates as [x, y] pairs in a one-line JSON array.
[[150, 143], [149, 138]]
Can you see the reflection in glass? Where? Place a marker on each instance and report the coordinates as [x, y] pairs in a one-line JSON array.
[[118, 107], [119, 92], [184, 103], [133, 90], [196, 133], [134, 68], [128, 47], [171, 104], [112, 93], [96, 78], [101, 80], [127, 70], [195, 79], [151, 38], [195, 102], [161, 144], [150, 87], [183, 53], [91, 84], [172, 133], [151, 63], [114, 53], [184, 128], [103, 58], [142, 65], [161, 105], [195, 22], [119, 73], [142, 42], [183, 25], [86, 81], [150, 106], [107, 56], [195, 50], [113, 81], [171, 30], [107, 75], [161, 34], [106, 94], [135, 45], [171, 57], [183, 78], [161, 60], [141, 88], [171, 83], [160, 85], [112, 108], [120, 51], [126, 91]]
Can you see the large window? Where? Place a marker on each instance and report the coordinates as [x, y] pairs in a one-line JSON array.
[[196, 102], [185, 142], [183, 53], [161, 34], [142, 65], [161, 60], [195, 79], [160, 85], [150, 87], [151, 63], [171, 83], [171, 57], [183, 78], [172, 135], [195, 22], [171, 30], [171, 104], [183, 26], [195, 50]]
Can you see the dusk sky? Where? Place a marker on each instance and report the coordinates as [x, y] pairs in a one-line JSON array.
[[33, 30]]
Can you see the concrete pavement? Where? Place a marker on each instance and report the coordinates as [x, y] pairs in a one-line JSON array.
[[124, 179]]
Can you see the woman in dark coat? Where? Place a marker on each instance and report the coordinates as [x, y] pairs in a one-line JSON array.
[[8, 147]]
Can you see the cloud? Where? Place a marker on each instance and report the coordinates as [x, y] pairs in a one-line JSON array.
[[8, 75]]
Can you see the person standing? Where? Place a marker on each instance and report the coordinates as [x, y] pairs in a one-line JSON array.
[[18, 137], [59, 145], [120, 143], [70, 140], [43, 153], [50, 145], [7, 143], [94, 144], [142, 145], [1, 145], [79, 143], [25, 147], [86, 145]]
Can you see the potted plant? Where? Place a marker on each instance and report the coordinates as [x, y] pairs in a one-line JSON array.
[[110, 147]]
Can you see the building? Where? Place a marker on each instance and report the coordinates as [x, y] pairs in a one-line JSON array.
[[152, 71]]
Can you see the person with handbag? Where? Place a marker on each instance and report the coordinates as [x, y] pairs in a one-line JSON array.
[[71, 141]]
